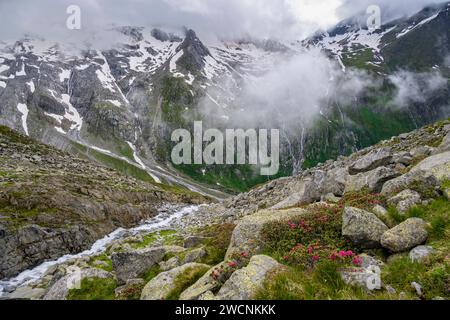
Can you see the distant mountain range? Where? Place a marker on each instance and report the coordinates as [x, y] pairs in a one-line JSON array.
[[120, 106]]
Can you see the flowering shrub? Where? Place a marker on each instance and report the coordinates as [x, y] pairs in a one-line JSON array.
[[309, 239], [362, 200], [223, 272]]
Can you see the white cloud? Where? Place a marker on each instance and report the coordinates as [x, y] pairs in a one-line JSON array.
[[291, 94], [258, 18], [416, 87]]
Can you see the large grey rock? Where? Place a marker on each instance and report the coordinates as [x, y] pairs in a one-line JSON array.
[[420, 253], [366, 278], [405, 200], [60, 289], [372, 181], [438, 165], [307, 192], [246, 236], [405, 236], [425, 179], [31, 245], [244, 283], [367, 275], [203, 285], [132, 264], [403, 158], [421, 151], [164, 283], [362, 228], [380, 212], [372, 160]]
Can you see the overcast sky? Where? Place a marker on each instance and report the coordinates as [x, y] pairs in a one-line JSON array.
[[225, 18]]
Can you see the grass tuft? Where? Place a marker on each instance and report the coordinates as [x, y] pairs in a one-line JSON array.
[[94, 289]]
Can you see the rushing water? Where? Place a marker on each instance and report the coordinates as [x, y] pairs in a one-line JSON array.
[[162, 220]]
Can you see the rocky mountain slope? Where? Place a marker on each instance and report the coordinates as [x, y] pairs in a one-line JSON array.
[[119, 106], [52, 203], [389, 48], [346, 229]]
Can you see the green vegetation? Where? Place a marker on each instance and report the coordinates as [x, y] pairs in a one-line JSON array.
[[445, 185], [436, 213], [307, 239], [360, 58], [355, 127], [185, 280], [106, 263], [321, 283], [177, 97], [23, 141], [231, 178], [433, 275], [218, 238], [151, 273], [304, 245], [18, 217], [121, 166], [94, 289], [164, 237]]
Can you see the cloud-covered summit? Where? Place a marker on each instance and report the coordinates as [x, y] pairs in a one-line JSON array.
[[292, 19]]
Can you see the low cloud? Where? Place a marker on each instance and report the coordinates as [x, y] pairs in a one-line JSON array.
[[415, 87], [390, 9], [292, 93], [281, 19]]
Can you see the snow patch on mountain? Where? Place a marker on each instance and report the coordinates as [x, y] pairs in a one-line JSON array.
[[22, 71], [23, 109], [413, 27], [31, 85], [173, 64], [64, 75]]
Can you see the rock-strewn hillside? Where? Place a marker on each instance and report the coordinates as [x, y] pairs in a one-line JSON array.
[[368, 169], [52, 204], [346, 229]]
